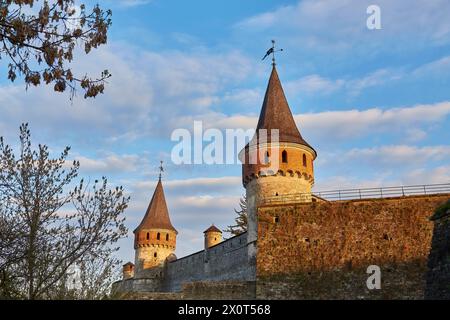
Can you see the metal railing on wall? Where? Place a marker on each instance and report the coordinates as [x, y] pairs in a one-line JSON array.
[[365, 193]]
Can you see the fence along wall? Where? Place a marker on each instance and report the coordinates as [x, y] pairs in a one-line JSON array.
[[322, 250], [227, 260], [367, 193]]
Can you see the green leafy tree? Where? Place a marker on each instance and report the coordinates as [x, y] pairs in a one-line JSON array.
[[39, 38], [240, 225], [50, 223]]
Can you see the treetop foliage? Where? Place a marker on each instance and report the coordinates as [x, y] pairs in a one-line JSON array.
[[39, 38]]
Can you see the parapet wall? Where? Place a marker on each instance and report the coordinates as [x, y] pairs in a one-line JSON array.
[[322, 250], [227, 260]]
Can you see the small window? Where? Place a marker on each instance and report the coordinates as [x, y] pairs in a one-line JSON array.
[[266, 158], [215, 239], [148, 236], [284, 158], [276, 219], [158, 236], [167, 237], [155, 254], [304, 160]]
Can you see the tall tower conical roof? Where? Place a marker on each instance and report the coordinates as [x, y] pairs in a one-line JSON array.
[[276, 114], [157, 214]]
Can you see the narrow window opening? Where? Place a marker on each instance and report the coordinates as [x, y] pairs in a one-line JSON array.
[[167, 237], [158, 236], [155, 254], [284, 157], [304, 160], [148, 235]]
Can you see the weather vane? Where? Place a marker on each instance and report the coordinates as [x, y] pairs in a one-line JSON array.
[[272, 52], [161, 169]]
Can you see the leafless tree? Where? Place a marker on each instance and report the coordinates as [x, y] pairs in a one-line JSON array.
[[49, 224]]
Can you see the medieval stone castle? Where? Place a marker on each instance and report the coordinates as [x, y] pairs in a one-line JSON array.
[[297, 245]]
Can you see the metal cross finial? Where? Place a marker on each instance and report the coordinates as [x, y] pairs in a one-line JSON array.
[[272, 52], [161, 169]]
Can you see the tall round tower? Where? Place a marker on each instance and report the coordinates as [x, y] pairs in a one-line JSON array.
[[277, 165], [155, 237]]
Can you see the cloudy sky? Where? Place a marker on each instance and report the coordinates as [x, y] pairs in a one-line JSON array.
[[375, 104]]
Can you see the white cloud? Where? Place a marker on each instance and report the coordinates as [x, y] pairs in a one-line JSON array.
[[395, 155], [314, 83], [204, 204], [301, 15], [132, 3], [376, 78], [193, 186], [416, 176], [341, 124], [342, 23], [204, 182], [415, 134], [351, 123], [244, 97], [145, 95], [111, 163], [441, 65], [311, 84], [331, 183], [437, 175]]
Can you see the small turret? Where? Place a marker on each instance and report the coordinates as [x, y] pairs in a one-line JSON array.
[[128, 270], [213, 236]]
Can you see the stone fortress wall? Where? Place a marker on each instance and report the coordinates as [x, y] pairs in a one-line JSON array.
[[322, 250], [316, 250], [227, 260]]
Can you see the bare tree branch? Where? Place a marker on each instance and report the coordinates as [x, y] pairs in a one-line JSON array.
[[48, 226], [41, 44]]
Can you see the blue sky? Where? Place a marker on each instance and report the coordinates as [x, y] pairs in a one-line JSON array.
[[374, 103]]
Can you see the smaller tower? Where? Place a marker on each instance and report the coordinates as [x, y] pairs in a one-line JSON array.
[[128, 270], [155, 237], [213, 236]]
